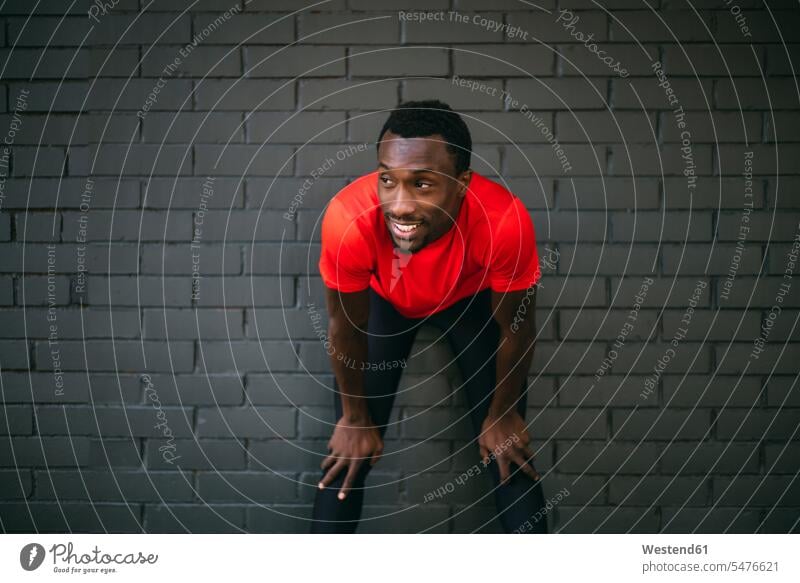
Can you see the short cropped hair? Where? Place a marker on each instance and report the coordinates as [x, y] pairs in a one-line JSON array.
[[417, 119]]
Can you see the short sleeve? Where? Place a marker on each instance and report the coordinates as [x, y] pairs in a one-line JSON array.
[[514, 261], [346, 256]]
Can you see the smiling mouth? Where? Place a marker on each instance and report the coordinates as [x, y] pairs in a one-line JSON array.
[[404, 230]]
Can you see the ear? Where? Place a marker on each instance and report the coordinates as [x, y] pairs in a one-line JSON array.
[[464, 179]]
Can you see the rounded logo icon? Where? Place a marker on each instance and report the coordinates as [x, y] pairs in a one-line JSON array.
[[31, 556]]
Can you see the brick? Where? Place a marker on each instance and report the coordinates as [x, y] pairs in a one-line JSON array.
[[78, 517], [16, 354], [734, 358], [200, 324], [765, 158], [668, 26], [503, 61], [121, 355], [245, 487], [716, 390], [547, 27], [202, 61], [761, 26], [72, 323], [15, 484], [601, 458], [636, 92], [697, 520], [576, 60], [295, 61], [232, 292], [284, 455], [780, 391], [200, 454], [605, 519], [382, 61], [345, 94], [243, 95], [578, 160], [235, 160], [242, 28], [651, 490], [103, 486], [743, 424], [704, 458], [195, 518], [706, 194], [65, 30], [703, 261], [193, 127], [40, 451], [147, 28], [165, 193], [286, 127], [647, 226], [607, 390], [559, 94], [205, 389], [595, 126], [18, 421], [660, 425], [755, 490], [247, 422], [131, 94], [141, 159], [322, 28], [567, 423], [214, 260], [771, 93], [289, 389]]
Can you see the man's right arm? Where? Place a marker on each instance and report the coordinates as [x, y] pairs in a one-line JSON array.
[[355, 438], [348, 314]]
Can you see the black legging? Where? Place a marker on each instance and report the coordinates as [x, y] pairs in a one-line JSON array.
[[473, 335]]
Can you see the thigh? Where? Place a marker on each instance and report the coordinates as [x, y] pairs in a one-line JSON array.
[[473, 335], [390, 337]]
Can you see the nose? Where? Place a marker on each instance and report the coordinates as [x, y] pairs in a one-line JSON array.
[[401, 205]]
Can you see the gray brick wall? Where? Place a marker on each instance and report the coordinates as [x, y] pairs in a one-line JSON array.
[[161, 379]]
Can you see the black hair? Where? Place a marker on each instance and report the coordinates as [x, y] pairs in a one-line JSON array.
[[417, 119]]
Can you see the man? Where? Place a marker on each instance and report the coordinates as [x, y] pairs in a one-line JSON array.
[[426, 240]]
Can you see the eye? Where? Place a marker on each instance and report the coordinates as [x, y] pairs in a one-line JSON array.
[[423, 185], [385, 179]]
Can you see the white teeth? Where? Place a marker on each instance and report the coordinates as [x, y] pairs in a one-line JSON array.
[[405, 228]]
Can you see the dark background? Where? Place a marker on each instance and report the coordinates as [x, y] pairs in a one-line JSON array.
[[240, 373]]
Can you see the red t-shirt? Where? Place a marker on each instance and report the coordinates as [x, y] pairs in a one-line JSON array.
[[492, 244]]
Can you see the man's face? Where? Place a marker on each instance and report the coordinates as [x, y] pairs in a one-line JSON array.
[[419, 193]]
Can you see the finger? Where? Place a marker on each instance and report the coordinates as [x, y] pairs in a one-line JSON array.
[[376, 456], [484, 455], [529, 457], [332, 473], [502, 464], [327, 461], [524, 465], [349, 479]]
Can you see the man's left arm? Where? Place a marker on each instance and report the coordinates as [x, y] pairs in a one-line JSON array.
[[504, 433]]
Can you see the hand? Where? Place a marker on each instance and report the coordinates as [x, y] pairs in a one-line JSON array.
[[506, 437], [351, 444]]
